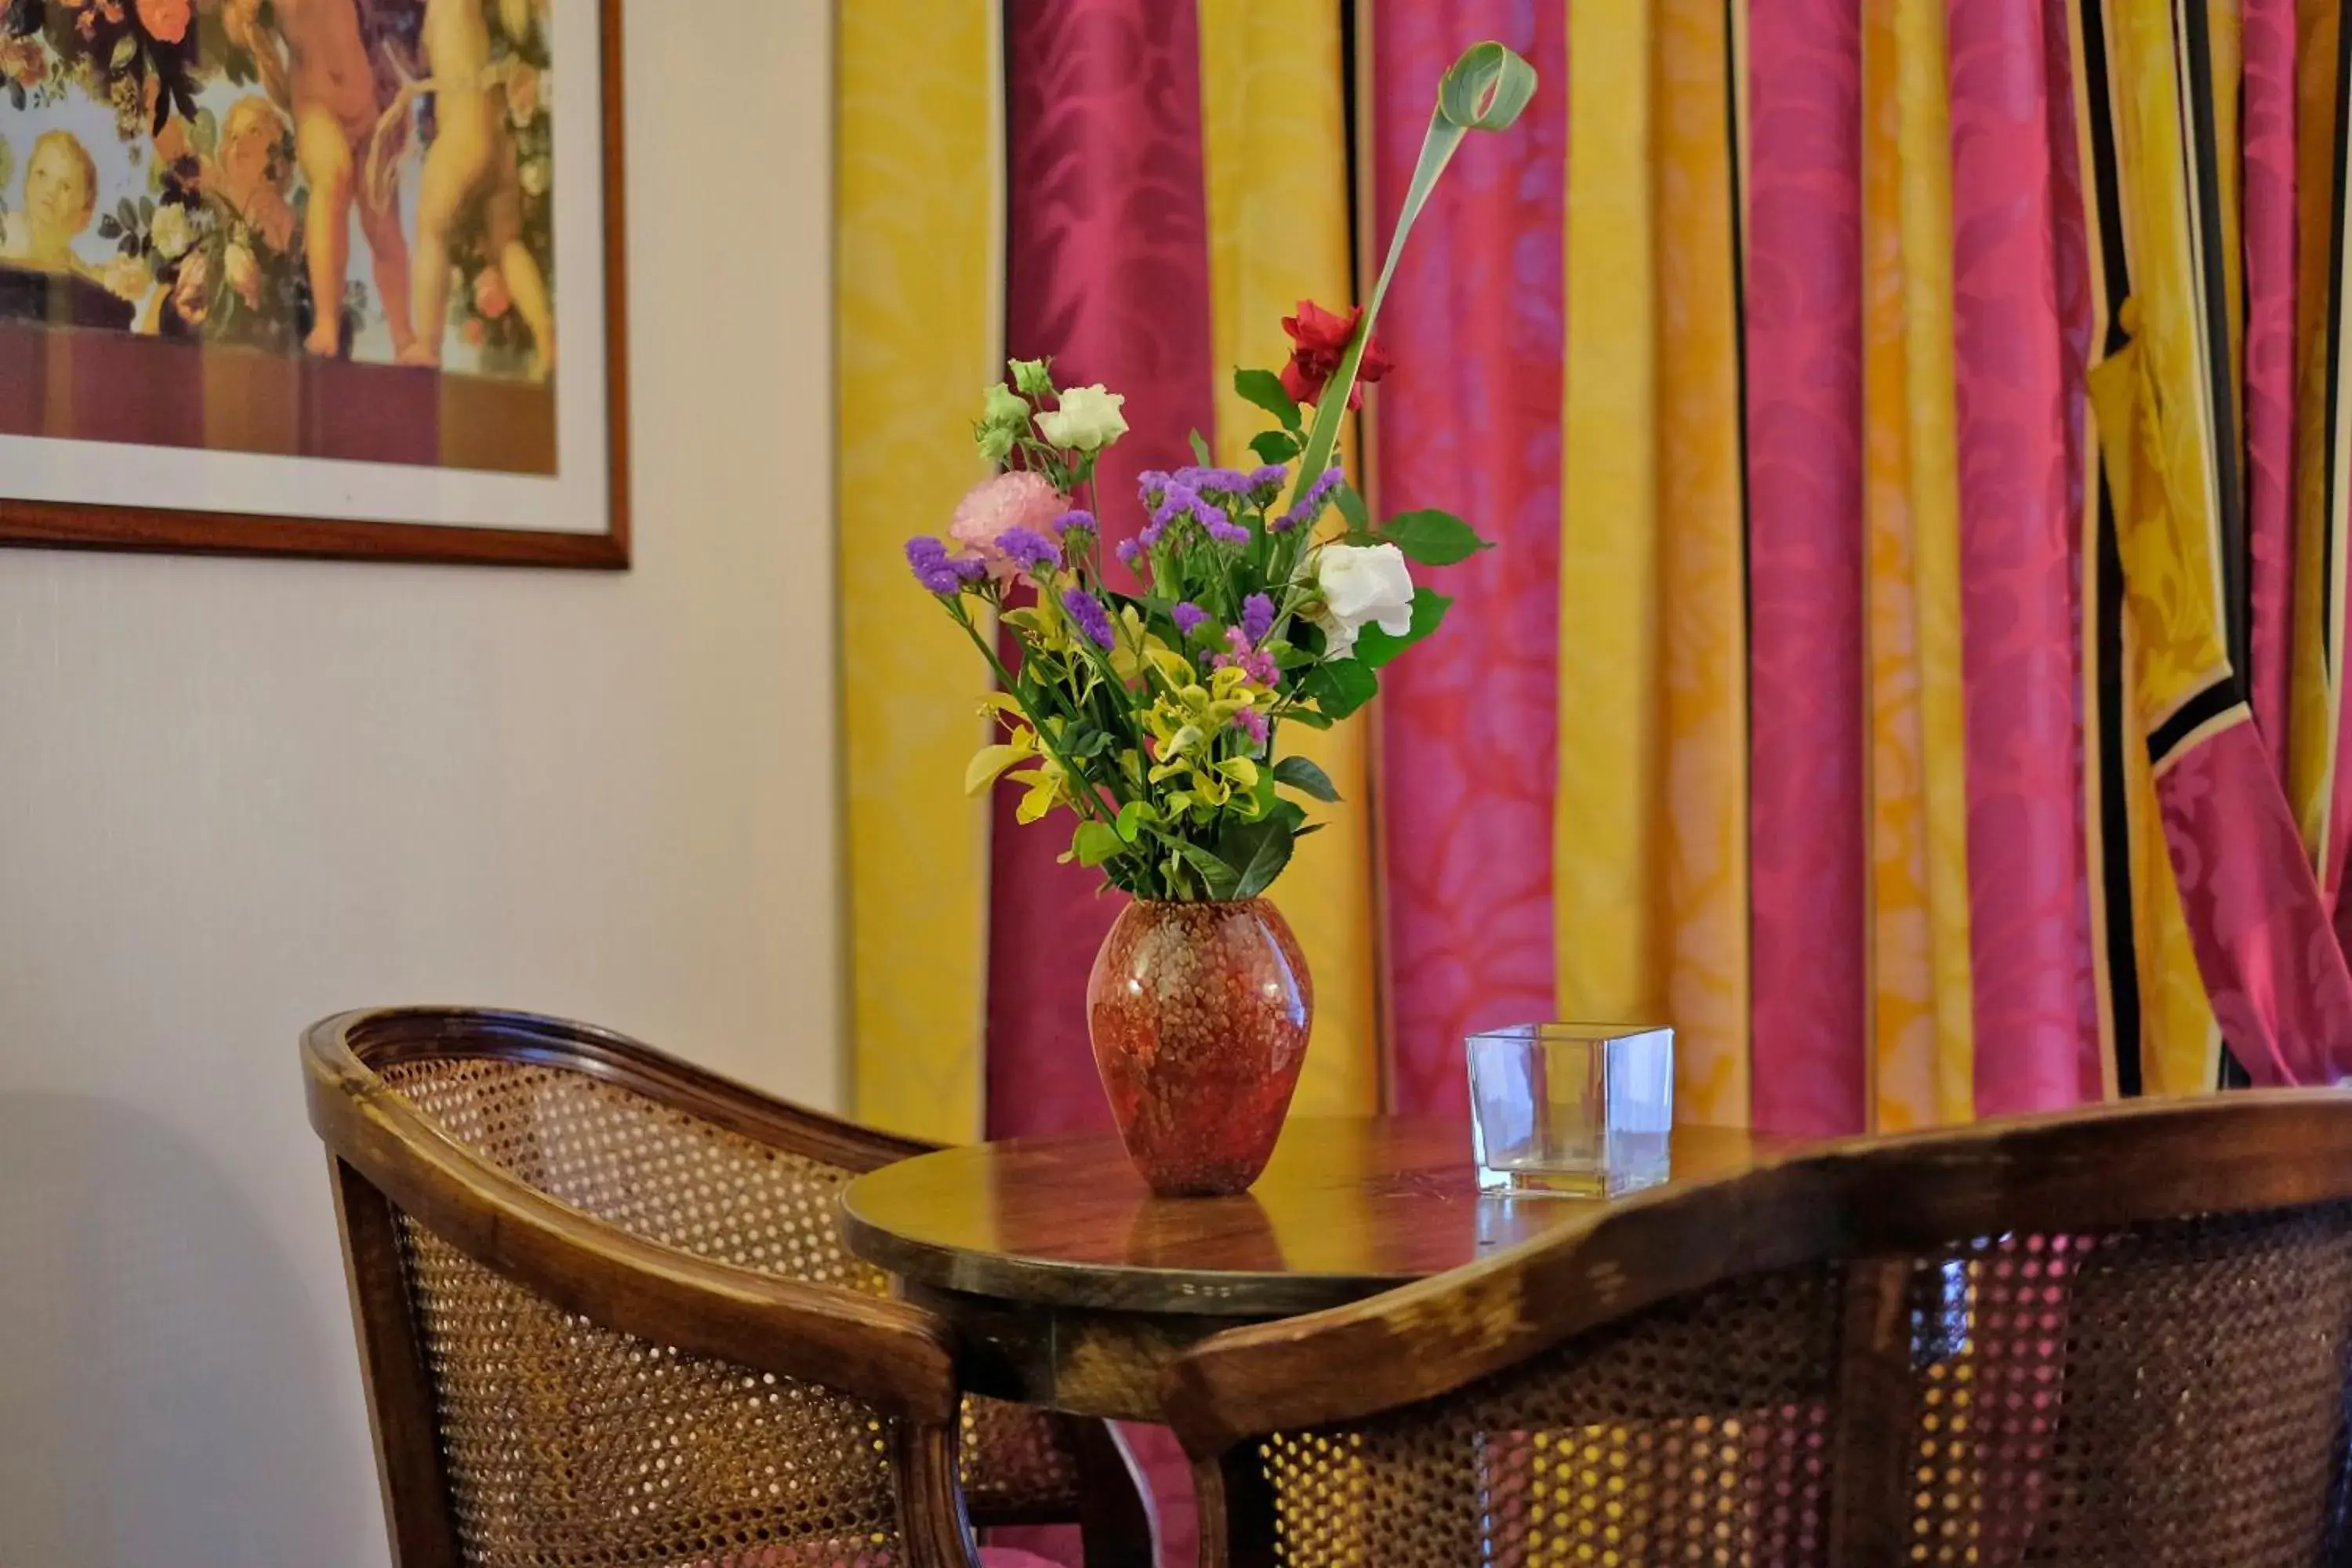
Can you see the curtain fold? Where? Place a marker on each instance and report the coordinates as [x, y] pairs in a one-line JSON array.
[[1805, 553], [2018, 329], [1470, 421], [1108, 274], [1922, 995], [1275, 165], [916, 302]]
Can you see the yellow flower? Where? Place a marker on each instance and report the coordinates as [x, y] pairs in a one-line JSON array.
[[988, 763], [1048, 787]]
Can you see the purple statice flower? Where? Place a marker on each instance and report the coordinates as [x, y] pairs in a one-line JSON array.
[[1257, 618], [1220, 528], [1266, 482], [932, 568], [1189, 618], [1309, 505], [1149, 486], [1251, 722], [1150, 538], [969, 569], [1075, 520], [1175, 501], [1131, 552], [1030, 551], [1214, 481], [1087, 614]]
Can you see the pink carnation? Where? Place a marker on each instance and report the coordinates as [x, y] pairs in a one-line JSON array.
[[993, 507]]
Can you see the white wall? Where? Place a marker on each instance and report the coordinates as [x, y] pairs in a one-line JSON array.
[[237, 795]]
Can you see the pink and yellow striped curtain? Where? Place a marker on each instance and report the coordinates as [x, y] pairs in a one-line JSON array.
[[1912, 666], [1914, 431]]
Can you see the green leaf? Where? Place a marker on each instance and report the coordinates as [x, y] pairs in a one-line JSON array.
[[1434, 537], [1087, 740], [1375, 648], [1352, 506], [1258, 851], [1220, 878], [1265, 388], [207, 132], [1304, 776], [1339, 688], [1201, 451], [1273, 446], [123, 50], [1308, 717], [1096, 842], [1132, 818], [1262, 798], [1486, 90]]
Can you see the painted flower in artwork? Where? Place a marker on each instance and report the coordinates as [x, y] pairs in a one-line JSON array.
[[166, 20], [173, 231], [23, 61], [192, 296], [243, 274], [491, 295], [522, 94]]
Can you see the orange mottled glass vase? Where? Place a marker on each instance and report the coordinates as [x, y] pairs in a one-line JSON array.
[[1199, 1014]]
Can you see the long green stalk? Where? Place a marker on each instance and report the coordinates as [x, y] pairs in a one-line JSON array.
[[1486, 90]]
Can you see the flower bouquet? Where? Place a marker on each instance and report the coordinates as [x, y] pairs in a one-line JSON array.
[[1145, 689]]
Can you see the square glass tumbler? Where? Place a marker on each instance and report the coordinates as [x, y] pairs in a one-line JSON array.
[[1571, 1110]]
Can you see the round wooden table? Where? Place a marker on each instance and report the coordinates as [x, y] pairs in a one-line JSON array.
[[1072, 1285]]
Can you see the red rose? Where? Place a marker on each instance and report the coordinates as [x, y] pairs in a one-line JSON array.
[[1319, 341]]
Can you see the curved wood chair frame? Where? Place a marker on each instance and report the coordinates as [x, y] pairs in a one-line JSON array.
[[1875, 1203], [387, 1158]]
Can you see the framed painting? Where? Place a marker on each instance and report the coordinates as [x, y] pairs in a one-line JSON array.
[[338, 277]]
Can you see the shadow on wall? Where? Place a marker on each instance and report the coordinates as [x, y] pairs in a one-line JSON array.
[[158, 1367]]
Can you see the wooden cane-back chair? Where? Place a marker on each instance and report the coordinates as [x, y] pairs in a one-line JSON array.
[[2117, 1337], [605, 1319]]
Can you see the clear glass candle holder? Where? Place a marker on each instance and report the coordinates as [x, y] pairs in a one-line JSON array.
[[1571, 1110]]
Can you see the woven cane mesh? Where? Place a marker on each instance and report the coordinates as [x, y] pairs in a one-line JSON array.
[[1695, 1429], [2170, 1393], [646, 1168], [663, 1175], [568, 1446], [1014, 1467]]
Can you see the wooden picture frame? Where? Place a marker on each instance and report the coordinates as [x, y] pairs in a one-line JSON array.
[[323, 456]]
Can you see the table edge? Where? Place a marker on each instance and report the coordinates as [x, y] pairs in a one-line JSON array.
[[1123, 1288]]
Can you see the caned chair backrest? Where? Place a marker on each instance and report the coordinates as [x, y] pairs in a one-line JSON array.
[[605, 1315], [2114, 1337]]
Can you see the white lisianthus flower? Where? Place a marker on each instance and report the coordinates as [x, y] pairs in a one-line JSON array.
[[1361, 584], [1087, 421], [172, 232]]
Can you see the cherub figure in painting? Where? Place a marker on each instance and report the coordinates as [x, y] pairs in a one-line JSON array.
[[470, 167], [314, 60], [60, 198]]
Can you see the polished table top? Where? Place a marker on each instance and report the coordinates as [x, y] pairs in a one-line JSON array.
[[1347, 1208]]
